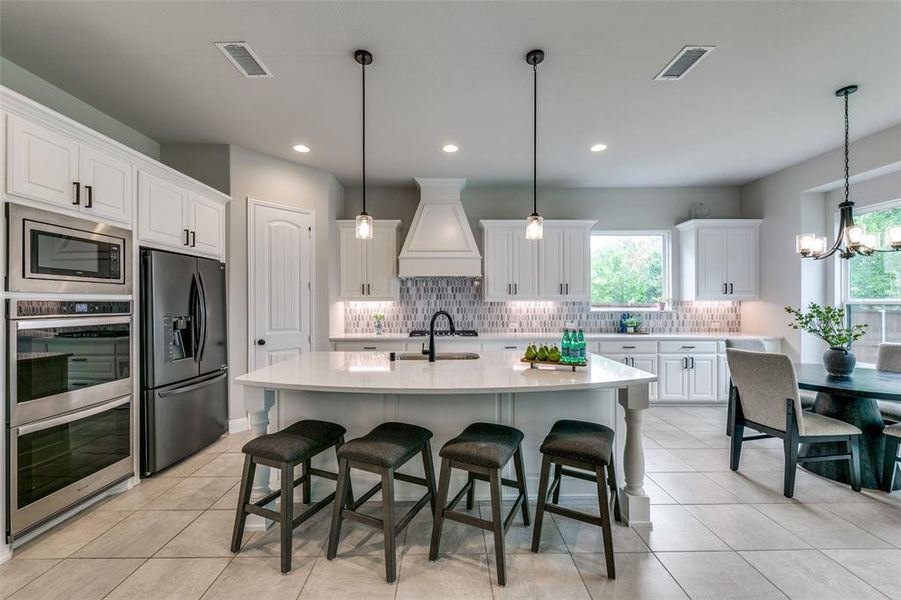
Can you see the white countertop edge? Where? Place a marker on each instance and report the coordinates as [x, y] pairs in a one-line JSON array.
[[491, 337]]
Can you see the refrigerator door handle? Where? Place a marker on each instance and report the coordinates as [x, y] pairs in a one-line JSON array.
[[195, 315], [192, 387], [203, 317]]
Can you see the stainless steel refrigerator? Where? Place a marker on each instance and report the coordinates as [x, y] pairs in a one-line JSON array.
[[184, 367]]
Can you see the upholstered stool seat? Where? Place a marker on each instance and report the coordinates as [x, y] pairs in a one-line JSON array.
[[891, 411], [381, 451], [485, 444], [296, 442], [580, 441], [587, 447]]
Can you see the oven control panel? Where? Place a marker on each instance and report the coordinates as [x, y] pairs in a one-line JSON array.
[[31, 309]]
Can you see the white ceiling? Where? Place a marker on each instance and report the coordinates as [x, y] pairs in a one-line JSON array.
[[455, 72]]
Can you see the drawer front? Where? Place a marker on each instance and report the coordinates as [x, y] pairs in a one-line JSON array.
[[628, 347], [502, 346], [687, 347], [370, 346]]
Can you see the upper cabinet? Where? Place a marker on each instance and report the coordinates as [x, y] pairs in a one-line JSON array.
[[553, 268], [368, 268], [53, 168], [719, 259]]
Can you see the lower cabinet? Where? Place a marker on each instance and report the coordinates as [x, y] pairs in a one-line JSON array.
[[691, 377], [645, 362]]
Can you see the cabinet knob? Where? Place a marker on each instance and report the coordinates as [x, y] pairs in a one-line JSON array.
[[261, 342]]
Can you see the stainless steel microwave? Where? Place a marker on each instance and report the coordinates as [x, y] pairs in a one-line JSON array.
[[50, 252]]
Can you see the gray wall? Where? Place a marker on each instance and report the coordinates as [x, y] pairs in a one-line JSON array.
[[28, 84], [793, 200], [208, 163]]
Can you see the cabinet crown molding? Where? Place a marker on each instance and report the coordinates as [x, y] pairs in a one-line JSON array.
[[547, 223], [695, 223]]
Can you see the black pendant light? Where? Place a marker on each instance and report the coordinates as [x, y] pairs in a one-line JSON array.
[[363, 228], [534, 222], [851, 240]]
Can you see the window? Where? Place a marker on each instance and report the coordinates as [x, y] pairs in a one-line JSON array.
[[872, 285], [630, 269]]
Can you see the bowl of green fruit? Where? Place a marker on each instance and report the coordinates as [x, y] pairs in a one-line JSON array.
[[543, 355]]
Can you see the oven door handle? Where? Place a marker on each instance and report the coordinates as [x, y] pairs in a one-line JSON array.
[[73, 416], [63, 323]]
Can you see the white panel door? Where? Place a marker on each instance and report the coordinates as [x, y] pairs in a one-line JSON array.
[[498, 263], [280, 283], [741, 264], [43, 164], [162, 212], [576, 257], [207, 224], [352, 267], [550, 263], [648, 363], [711, 263], [722, 377], [107, 185], [525, 265], [381, 262], [673, 383], [702, 377]]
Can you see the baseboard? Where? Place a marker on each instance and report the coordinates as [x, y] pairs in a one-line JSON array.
[[238, 425]]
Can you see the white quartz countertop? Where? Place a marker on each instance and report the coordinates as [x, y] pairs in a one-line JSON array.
[[531, 336], [492, 372]]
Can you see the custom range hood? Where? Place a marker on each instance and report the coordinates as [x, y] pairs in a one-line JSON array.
[[440, 242]]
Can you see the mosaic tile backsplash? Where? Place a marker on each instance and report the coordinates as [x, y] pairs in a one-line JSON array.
[[462, 298]]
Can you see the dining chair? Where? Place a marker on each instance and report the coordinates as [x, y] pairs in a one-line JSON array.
[[892, 443], [889, 359], [751, 345], [769, 402]]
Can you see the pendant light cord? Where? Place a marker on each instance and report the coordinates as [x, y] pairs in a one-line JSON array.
[[847, 152], [363, 67], [535, 140]]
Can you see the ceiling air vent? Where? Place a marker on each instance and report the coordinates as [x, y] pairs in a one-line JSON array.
[[244, 59], [685, 61]]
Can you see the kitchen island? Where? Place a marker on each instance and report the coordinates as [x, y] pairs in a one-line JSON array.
[[362, 389]]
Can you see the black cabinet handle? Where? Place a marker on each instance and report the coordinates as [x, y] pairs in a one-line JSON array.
[[692, 358], [684, 362], [510, 348], [362, 289], [368, 347], [687, 347], [77, 193], [731, 288], [515, 289], [261, 342], [193, 238], [628, 347], [725, 288], [187, 236], [567, 289], [90, 190], [509, 289], [368, 289], [561, 289]]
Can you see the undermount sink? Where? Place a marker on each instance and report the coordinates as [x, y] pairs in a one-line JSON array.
[[438, 356]]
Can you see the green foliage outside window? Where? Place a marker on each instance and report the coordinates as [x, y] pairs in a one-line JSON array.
[[627, 269], [876, 277]]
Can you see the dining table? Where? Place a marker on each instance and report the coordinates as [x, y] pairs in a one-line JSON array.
[[852, 399]]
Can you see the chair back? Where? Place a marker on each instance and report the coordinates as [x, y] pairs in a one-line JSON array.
[[764, 381], [889, 358], [752, 344]]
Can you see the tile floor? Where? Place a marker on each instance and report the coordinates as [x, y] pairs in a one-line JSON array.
[[717, 535]]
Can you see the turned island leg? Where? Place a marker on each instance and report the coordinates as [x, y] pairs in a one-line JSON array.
[[636, 505], [258, 421]]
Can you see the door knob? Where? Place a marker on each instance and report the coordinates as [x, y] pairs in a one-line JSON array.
[[261, 342]]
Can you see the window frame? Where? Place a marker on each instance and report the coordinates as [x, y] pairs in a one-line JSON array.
[[667, 268], [845, 265]]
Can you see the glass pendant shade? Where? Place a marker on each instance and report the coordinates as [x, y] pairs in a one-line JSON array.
[[804, 243], [893, 237], [869, 241], [534, 227], [854, 235], [364, 226]]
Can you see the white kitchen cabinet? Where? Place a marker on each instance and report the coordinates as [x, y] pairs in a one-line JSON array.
[[722, 378], [688, 377], [719, 259], [206, 222], [564, 256], [511, 262], [51, 167], [368, 268], [644, 362], [673, 378]]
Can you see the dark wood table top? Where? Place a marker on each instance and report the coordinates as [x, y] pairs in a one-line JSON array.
[[864, 383]]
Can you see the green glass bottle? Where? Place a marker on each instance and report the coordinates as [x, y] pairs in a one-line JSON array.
[[566, 347], [580, 341]]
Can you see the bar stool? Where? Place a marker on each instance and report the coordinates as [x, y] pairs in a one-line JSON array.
[[482, 450], [283, 450], [382, 451], [892, 443], [588, 447]]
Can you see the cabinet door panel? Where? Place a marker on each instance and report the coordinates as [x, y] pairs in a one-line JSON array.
[[550, 263], [741, 263], [207, 221], [381, 263], [111, 188], [673, 384], [498, 263], [352, 264], [711, 263], [525, 265], [722, 378], [646, 363], [576, 257], [43, 164], [162, 211], [702, 377]]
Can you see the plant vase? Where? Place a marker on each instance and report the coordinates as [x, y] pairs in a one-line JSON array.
[[630, 330], [839, 362], [379, 327]]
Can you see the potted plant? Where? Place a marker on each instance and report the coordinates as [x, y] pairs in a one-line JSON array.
[[661, 302], [828, 324], [632, 324], [379, 319]]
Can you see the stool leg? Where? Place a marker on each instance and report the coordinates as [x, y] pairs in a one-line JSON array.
[[497, 516], [521, 480], [340, 496], [388, 523], [604, 505], [611, 482], [350, 492], [428, 468], [558, 478], [243, 499], [440, 505], [287, 516], [891, 457], [542, 500], [471, 494], [307, 482]]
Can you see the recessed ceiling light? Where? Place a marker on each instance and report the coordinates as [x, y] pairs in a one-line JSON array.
[[450, 148], [301, 148], [598, 147]]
